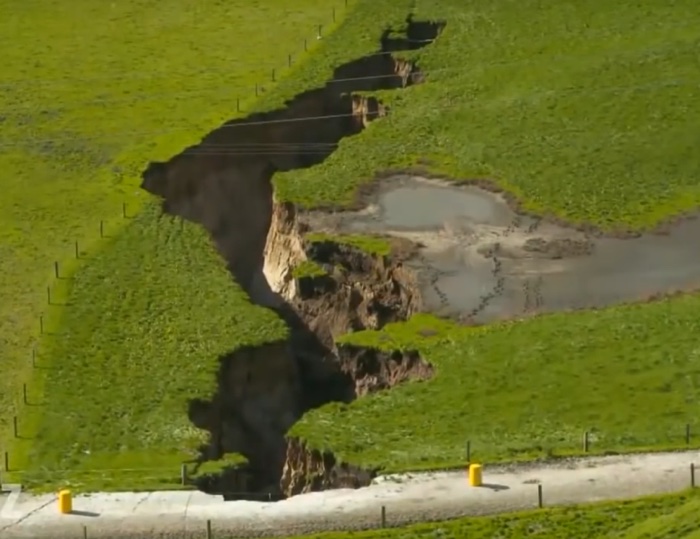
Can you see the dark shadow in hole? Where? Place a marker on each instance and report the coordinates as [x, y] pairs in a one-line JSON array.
[[203, 184], [84, 514]]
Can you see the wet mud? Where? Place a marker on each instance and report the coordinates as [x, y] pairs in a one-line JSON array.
[[480, 261]]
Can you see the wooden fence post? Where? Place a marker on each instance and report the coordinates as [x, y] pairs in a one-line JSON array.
[[692, 474]]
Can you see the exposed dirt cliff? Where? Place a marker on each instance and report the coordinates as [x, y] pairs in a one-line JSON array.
[[224, 184]]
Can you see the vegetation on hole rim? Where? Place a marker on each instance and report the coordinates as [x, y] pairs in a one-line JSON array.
[[369, 244], [525, 389], [308, 268]]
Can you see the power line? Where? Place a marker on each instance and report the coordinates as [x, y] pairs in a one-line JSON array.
[[244, 124], [138, 75], [139, 97], [187, 93], [145, 75]]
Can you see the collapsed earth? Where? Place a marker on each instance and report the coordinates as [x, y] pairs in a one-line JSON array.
[[435, 227]]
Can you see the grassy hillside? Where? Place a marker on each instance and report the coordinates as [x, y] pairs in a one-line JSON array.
[[586, 111], [664, 517], [526, 389], [91, 92], [683, 523]]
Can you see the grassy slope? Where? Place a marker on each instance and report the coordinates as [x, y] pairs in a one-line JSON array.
[[683, 523], [527, 389], [660, 517], [84, 108], [584, 110], [587, 110], [508, 101]]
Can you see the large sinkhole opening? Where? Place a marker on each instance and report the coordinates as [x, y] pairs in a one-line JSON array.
[[224, 184]]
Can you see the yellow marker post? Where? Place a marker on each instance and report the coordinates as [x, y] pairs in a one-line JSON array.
[[475, 475], [65, 502]]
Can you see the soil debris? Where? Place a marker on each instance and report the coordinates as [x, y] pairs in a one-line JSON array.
[[262, 391]]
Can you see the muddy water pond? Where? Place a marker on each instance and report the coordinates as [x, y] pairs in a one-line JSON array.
[[483, 261]]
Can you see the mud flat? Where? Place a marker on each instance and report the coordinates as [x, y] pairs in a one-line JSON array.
[[481, 261]]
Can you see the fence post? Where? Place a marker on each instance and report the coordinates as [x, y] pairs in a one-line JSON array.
[[333, 14], [687, 434], [24, 393], [34, 356], [14, 427], [55, 269], [383, 516], [692, 474], [77, 250], [48, 294], [273, 74], [102, 229], [306, 45], [539, 495], [41, 324], [289, 60], [183, 474], [208, 529], [585, 442], [85, 532], [124, 209], [7, 461], [469, 451]]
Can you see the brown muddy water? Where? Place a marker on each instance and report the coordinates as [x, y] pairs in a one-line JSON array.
[[482, 262]]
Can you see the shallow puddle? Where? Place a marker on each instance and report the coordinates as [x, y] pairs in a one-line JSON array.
[[483, 261]]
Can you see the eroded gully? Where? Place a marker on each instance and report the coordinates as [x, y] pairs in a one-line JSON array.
[[264, 390]]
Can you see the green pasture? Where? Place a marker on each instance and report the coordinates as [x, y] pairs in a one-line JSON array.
[[583, 109], [629, 375], [659, 517], [587, 111], [91, 92]]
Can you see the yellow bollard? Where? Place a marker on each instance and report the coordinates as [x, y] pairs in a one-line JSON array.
[[65, 502], [475, 475]]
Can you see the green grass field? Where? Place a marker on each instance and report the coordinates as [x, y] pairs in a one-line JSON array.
[[667, 517], [521, 390], [85, 107], [587, 111]]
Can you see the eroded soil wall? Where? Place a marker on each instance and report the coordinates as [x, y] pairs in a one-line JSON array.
[[224, 184]]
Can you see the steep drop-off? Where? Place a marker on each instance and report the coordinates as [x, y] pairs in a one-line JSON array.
[[224, 184]]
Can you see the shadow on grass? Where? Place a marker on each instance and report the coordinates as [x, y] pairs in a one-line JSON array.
[[34, 404], [84, 514]]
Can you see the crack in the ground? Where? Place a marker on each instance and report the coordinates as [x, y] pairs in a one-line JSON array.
[[264, 390]]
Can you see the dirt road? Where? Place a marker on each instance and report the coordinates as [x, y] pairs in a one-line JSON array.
[[408, 498]]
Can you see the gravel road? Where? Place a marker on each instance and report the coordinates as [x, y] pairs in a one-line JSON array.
[[407, 498]]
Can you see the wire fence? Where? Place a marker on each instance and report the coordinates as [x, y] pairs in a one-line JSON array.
[[183, 476], [389, 510], [63, 270], [651, 85]]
